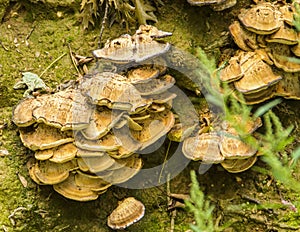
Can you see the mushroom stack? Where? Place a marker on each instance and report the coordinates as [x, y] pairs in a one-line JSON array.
[[268, 64], [225, 146], [87, 138], [136, 48]]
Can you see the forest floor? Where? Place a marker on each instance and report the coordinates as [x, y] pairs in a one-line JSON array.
[[32, 36]]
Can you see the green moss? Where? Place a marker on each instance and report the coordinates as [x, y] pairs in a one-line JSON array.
[[12, 193], [3, 5]]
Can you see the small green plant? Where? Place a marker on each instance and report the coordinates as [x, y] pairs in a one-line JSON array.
[[296, 21], [271, 144], [202, 210], [209, 63], [275, 140], [200, 207]]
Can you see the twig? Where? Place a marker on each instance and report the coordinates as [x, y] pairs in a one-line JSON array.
[[11, 216], [4, 228], [251, 199], [103, 24], [73, 62], [57, 59], [63, 228], [2, 45], [286, 203], [168, 188], [173, 213], [289, 227], [164, 163], [29, 34]]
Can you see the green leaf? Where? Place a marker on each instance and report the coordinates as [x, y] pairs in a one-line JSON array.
[[266, 107]]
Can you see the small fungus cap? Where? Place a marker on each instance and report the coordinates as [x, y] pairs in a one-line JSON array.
[[128, 212]]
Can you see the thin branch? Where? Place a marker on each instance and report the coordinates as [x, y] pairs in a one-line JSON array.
[[57, 59], [164, 163], [2, 45], [103, 24], [29, 34], [73, 61]]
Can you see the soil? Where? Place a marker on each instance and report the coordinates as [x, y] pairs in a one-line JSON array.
[[34, 34]]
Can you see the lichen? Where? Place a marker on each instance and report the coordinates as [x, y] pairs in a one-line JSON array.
[[31, 81]]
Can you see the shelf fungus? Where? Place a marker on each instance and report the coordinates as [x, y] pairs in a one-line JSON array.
[[136, 48], [66, 110], [41, 137], [251, 77], [263, 18], [224, 146], [270, 56], [88, 136], [127, 212]]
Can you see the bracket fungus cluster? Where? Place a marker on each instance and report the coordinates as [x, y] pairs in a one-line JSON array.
[[224, 146], [86, 137], [268, 62]]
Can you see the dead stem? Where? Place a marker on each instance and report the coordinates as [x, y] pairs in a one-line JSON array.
[[2, 45], [29, 34], [173, 213], [164, 163], [73, 59], [57, 59], [103, 24], [11, 216]]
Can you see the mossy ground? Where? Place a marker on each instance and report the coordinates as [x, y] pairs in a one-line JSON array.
[[32, 37]]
